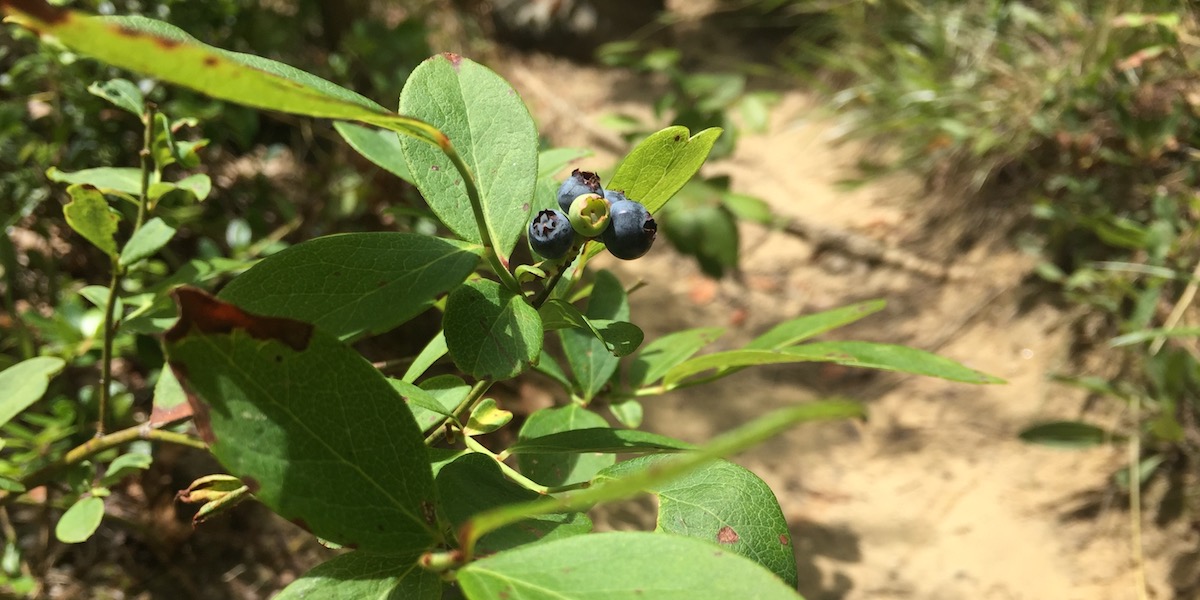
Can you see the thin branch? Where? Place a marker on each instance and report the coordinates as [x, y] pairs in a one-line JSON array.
[[97, 445]]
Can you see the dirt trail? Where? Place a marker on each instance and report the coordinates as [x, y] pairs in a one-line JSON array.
[[934, 498]]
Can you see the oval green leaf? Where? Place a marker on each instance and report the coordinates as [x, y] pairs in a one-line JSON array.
[[491, 333], [591, 362], [24, 383], [495, 137], [146, 241], [354, 284], [359, 575], [80, 521], [723, 504], [122, 93], [315, 431], [379, 146], [660, 166], [620, 338], [89, 214], [561, 469], [106, 179], [635, 564]]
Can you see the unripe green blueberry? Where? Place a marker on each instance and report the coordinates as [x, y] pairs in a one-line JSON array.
[[589, 215]]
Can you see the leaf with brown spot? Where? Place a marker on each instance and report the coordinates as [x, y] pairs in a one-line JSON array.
[[320, 432], [167, 53], [726, 535], [721, 503]]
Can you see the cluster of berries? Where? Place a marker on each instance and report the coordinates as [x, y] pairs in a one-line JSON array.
[[590, 211]]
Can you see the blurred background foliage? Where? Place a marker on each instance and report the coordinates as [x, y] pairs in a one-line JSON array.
[[1066, 128]]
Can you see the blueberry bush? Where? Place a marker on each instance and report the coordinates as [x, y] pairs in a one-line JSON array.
[[412, 476]]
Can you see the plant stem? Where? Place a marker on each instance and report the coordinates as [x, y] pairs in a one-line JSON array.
[[468, 403], [563, 267], [508, 471], [106, 351], [97, 445], [485, 236], [110, 327]]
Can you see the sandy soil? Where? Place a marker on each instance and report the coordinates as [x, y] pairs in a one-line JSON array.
[[934, 498]]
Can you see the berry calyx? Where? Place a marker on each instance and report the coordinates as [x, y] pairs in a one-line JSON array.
[[578, 184]]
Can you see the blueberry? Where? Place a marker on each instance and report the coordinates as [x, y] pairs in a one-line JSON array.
[[580, 183], [632, 230], [613, 196], [551, 234]]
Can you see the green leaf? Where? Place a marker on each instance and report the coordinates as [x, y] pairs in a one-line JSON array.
[[11, 485], [98, 296], [723, 504], [619, 337], [548, 366], [635, 564], [659, 356], [628, 413], [633, 483], [706, 231], [354, 284], [125, 465], [561, 469], [89, 214], [1067, 434], [591, 362], [659, 166], [152, 236], [474, 483], [428, 409], [491, 333], [167, 53], [122, 93], [340, 454], [198, 185], [359, 575], [891, 357], [379, 146], [598, 439], [494, 135], [434, 350], [486, 418], [106, 179], [24, 383], [802, 328], [870, 355], [80, 521], [552, 161]]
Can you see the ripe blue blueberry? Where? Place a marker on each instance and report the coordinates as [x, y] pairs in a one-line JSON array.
[[631, 231], [614, 196], [551, 234], [580, 183]]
